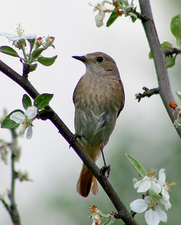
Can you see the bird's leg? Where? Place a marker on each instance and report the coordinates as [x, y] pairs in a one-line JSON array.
[[105, 170], [73, 139]]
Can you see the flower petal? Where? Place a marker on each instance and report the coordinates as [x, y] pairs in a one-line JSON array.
[[161, 214], [22, 129], [162, 176], [18, 117], [29, 132], [166, 203], [31, 112], [144, 186], [156, 187], [151, 217], [9, 36], [138, 205], [30, 36]]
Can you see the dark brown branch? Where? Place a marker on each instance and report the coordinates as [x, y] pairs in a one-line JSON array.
[[147, 93], [68, 135], [171, 51], [159, 60]]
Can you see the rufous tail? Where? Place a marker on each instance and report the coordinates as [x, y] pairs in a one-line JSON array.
[[86, 182]]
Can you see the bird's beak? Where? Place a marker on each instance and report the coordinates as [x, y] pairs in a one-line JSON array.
[[81, 58]]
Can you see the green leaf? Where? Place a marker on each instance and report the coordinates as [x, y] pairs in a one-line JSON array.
[[26, 101], [8, 123], [33, 67], [112, 18], [133, 18], [175, 27], [170, 61], [178, 94], [9, 51], [137, 165], [36, 53], [166, 45], [150, 55], [42, 100], [47, 61]]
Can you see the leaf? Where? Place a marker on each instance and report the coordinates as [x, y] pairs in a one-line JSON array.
[[36, 53], [112, 18], [170, 61], [150, 55], [175, 27], [42, 100], [26, 101], [137, 165], [133, 18], [166, 45], [33, 67], [8, 123], [9, 51], [47, 61]]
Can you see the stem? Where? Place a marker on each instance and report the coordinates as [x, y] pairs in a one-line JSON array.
[[13, 207]]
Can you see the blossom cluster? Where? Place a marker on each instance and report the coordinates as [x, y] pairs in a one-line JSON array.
[[155, 192], [97, 216], [120, 7], [30, 46], [16, 39]]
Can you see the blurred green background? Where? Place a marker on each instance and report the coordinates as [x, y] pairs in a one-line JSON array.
[[143, 129]]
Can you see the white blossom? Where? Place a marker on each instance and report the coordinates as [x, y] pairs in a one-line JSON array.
[[101, 14], [25, 119], [154, 214], [20, 35], [146, 183]]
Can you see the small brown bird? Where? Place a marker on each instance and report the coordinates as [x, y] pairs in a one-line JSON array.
[[99, 99]]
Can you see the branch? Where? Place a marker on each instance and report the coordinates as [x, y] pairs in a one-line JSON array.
[[171, 51], [147, 93], [159, 60], [12, 208], [68, 135]]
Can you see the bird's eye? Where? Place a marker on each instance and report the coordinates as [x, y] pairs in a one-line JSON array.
[[99, 59]]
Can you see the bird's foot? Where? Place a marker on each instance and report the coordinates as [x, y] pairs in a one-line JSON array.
[[105, 170], [73, 139]]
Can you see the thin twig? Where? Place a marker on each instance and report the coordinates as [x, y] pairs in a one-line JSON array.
[[13, 207], [147, 93], [171, 51]]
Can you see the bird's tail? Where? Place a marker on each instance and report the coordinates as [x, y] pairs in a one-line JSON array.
[[87, 181]]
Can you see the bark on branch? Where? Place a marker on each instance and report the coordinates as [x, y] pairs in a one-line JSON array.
[[159, 60]]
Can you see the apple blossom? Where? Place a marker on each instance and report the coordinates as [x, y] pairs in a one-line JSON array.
[[154, 214], [25, 119], [20, 35]]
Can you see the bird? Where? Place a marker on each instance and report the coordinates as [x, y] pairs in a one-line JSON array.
[[98, 98]]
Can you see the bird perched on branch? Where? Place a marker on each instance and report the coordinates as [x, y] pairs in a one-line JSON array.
[[99, 99]]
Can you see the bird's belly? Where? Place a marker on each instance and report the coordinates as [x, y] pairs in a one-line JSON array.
[[93, 128]]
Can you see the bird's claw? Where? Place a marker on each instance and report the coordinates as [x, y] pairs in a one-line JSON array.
[[73, 139], [105, 170]]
